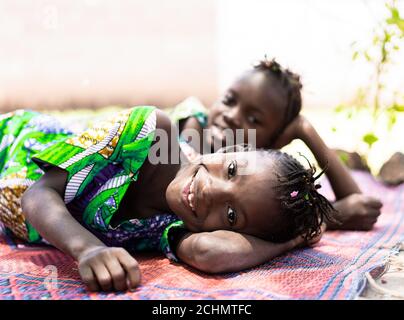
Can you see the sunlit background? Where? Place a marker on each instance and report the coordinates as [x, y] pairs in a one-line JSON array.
[[93, 53]]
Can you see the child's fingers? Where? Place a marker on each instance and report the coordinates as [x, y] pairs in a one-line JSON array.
[[117, 273], [373, 213], [296, 242], [88, 277], [373, 202], [103, 276], [131, 267]]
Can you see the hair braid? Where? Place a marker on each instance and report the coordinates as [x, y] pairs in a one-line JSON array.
[[303, 208]]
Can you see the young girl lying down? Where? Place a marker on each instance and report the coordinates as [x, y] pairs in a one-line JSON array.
[[267, 98], [98, 197]]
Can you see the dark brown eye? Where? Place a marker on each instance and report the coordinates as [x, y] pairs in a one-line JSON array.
[[229, 100], [232, 169], [252, 119], [231, 216]]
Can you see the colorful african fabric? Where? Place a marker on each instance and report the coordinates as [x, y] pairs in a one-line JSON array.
[[190, 107], [101, 163], [22, 134]]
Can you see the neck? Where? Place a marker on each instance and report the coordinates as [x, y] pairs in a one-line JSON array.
[[163, 175]]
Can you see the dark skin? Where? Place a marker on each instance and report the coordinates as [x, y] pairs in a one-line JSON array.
[[218, 235], [255, 101]]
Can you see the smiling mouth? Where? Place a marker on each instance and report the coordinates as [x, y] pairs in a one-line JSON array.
[[189, 197]]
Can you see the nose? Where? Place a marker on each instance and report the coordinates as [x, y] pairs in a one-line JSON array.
[[232, 117]]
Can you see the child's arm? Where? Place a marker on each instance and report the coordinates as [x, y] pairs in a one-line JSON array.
[[99, 266], [228, 251], [357, 211]]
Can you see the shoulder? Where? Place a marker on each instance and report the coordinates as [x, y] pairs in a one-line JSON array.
[[163, 122]]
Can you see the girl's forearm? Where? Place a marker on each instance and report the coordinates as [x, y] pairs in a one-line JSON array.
[[227, 251], [340, 179], [47, 213]]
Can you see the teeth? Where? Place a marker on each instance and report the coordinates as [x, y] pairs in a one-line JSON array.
[[191, 194], [190, 198]]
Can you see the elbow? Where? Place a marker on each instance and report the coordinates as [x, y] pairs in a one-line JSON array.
[[210, 255], [28, 203]]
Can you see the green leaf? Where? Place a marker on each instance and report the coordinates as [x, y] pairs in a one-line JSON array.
[[395, 14], [392, 120], [370, 139], [396, 19], [343, 156], [398, 108], [339, 108], [334, 129], [355, 55]]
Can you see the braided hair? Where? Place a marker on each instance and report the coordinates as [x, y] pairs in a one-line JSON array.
[[303, 208], [290, 82]]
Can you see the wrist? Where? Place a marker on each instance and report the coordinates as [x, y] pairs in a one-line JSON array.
[[78, 249], [305, 130]]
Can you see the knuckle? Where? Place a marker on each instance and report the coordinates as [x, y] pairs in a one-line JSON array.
[[133, 265], [87, 280], [104, 280], [363, 211], [118, 251], [118, 275]]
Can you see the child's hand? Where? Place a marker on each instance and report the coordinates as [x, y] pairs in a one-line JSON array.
[[292, 131], [317, 238], [356, 212], [109, 269]]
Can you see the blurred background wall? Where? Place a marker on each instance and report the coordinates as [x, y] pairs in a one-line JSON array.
[[91, 53]]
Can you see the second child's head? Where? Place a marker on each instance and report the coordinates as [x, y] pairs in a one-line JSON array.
[[266, 98], [266, 193]]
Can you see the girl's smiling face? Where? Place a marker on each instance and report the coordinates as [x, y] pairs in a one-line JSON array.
[[254, 101], [226, 191]]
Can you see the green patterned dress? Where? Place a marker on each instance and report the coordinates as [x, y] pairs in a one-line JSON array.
[[101, 162]]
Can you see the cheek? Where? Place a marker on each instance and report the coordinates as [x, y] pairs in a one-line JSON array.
[[173, 195], [214, 221], [215, 111]]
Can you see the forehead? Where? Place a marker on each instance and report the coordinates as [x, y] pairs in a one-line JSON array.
[[260, 90]]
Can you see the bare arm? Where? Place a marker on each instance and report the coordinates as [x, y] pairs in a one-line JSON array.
[[356, 211], [99, 266], [45, 210], [228, 251], [341, 180]]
